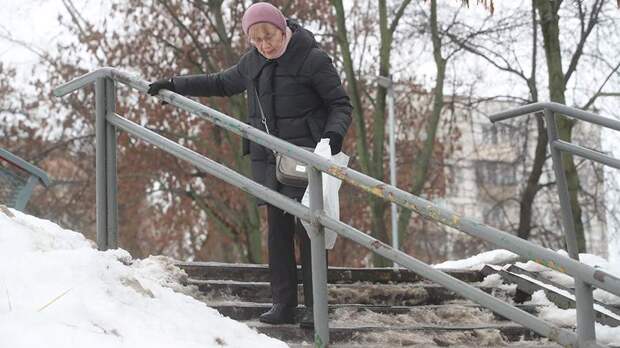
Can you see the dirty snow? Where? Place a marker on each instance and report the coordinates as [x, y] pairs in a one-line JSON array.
[[423, 315], [57, 290]]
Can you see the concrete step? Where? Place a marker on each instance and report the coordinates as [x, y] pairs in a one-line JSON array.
[[336, 275], [375, 307], [449, 312], [482, 334], [408, 343], [409, 294]]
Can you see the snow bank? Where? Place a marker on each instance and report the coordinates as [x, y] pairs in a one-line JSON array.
[[57, 290]]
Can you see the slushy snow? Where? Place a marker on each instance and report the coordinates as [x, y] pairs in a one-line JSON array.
[[58, 290]]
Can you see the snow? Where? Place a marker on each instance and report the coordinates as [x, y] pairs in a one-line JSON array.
[[550, 312], [570, 296], [567, 318], [496, 281], [493, 257], [57, 290], [611, 267], [568, 281]]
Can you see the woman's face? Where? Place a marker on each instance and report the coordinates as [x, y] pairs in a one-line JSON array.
[[267, 38]]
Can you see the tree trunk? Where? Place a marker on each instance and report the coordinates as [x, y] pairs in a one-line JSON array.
[[379, 227], [548, 13], [421, 163], [371, 164], [353, 89], [367, 162], [532, 187], [250, 222]]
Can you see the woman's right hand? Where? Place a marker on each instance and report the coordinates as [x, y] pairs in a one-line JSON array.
[[161, 84]]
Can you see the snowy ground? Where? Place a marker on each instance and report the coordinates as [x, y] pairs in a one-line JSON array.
[[57, 290]]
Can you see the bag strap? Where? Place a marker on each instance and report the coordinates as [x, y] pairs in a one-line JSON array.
[[262, 115]]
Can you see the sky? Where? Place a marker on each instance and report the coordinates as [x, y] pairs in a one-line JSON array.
[[32, 21], [57, 290], [36, 22]]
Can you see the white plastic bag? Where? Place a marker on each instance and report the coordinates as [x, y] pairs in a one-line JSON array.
[[331, 185]]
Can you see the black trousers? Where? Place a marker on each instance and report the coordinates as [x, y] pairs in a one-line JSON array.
[[282, 229]]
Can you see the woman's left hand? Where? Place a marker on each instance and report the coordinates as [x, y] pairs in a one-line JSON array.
[[335, 142]]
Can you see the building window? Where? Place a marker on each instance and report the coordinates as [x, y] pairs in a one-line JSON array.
[[497, 133], [495, 173]]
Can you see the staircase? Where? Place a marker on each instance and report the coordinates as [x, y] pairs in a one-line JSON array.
[[382, 307]]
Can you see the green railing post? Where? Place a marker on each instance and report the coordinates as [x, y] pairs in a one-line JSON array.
[[583, 291], [105, 137], [319, 263], [24, 194], [111, 186], [100, 175]]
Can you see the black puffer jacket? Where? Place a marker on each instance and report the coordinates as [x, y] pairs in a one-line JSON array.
[[300, 92]]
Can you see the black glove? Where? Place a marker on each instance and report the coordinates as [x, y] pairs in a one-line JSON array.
[[161, 84], [335, 141]]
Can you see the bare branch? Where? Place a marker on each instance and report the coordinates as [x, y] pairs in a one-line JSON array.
[[203, 52], [478, 52], [598, 92], [28, 46], [398, 16], [592, 21]]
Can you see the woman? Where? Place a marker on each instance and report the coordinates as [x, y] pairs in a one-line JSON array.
[[303, 101]]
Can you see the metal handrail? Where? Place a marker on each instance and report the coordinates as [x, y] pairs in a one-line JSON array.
[[26, 166], [583, 289], [558, 108], [104, 82], [37, 175], [293, 207]]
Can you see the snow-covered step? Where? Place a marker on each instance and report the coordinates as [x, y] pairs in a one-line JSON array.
[[420, 293], [447, 312], [427, 335], [561, 297], [436, 341], [389, 308], [260, 273], [569, 288]]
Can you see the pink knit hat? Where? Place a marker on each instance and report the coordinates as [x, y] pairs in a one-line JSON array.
[[262, 12]]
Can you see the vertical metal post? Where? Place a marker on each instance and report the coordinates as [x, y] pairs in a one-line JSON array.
[[388, 83], [23, 196], [392, 129], [319, 266], [101, 180], [583, 291], [111, 200]]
